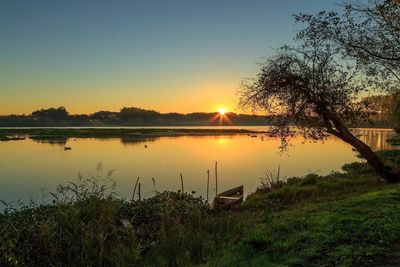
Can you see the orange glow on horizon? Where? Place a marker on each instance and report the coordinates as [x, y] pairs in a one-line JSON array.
[[221, 117]]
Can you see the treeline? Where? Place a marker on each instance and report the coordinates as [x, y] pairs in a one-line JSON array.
[[384, 111], [129, 116]]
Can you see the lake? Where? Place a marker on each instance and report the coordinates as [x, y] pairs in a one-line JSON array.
[[28, 167]]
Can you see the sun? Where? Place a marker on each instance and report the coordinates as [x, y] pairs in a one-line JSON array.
[[221, 117]]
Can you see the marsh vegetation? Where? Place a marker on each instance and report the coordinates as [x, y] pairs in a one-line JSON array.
[[345, 218]]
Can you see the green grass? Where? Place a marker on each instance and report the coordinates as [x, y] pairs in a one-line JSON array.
[[355, 231], [342, 219]]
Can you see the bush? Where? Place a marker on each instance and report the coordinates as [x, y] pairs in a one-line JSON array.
[[356, 167], [294, 180], [310, 179]]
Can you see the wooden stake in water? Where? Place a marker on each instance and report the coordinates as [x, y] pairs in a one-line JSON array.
[[140, 198], [216, 178], [134, 190], [182, 184], [154, 184], [208, 182]]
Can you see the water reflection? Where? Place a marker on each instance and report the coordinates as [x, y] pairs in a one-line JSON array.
[[29, 165], [376, 138], [62, 141], [137, 141], [50, 141]]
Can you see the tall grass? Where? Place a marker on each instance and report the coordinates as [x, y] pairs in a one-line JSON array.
[[78, 227], [86, 224], [272, 180]]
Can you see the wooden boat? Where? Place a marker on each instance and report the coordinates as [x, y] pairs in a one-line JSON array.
[[228, 199]]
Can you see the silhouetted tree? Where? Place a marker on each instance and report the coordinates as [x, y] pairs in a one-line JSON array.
[[103, 114], [383, 109], [396, 111], [368, 32], [314, 90], [56, 114], [131, 113]]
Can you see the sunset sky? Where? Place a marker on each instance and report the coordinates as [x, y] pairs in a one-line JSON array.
[[170, 56]]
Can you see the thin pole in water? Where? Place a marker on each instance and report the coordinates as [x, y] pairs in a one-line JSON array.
[[216, 178], [182, 184], [140, 198], [208, 182], [154, 184], [134, 190]]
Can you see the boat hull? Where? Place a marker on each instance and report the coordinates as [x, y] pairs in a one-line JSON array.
[[228, 199]]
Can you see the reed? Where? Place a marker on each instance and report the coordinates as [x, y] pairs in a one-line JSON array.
[[154, 184], [183, 191], [140, 197], [134, 190], [216, 178], [271, 181], [208, 182]]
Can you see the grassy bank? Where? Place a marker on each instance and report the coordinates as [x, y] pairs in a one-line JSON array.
[[344, 219], [354, 231]]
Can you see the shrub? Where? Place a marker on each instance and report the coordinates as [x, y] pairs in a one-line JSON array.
[[309, 179], [355, 167]]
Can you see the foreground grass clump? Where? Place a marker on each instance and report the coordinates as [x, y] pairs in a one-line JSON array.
[[347, 218], [86, 225], [357, 178]]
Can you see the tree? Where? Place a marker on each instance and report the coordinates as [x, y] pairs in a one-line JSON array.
[[383, 109], [56, 114], [368, 32], [315, 91], [396, 112], [131, 113]]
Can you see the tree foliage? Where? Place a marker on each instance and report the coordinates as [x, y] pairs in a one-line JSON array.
[[129, 113], [367, 32], [308, 86], [315, 85], [384, 109], [56, 114]]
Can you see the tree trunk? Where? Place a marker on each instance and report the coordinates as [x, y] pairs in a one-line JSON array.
[[365, 151], [373, 160]]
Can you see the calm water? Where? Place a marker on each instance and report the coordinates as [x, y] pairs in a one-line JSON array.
[[28, 166]]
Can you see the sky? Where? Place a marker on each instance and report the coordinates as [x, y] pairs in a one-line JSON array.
[[170, 56]]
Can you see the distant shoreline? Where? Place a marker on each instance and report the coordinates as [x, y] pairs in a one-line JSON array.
[[7, 134], [131, 133]]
